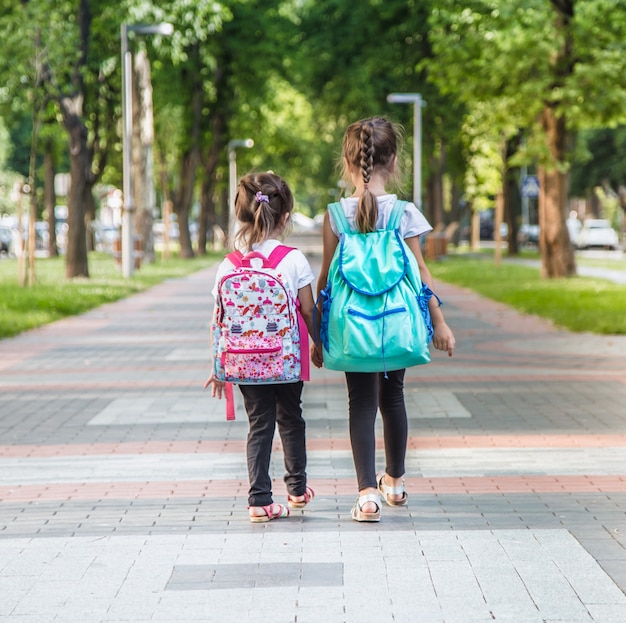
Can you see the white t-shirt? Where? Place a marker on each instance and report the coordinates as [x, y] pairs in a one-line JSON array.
[[413, 222], [294, 267]]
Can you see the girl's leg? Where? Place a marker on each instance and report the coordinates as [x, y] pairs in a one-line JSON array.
[[363, 406], [395, 425], [260, 404], [395, 432], [291, 428]]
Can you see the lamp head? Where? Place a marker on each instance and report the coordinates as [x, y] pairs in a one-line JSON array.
[[403, 98], [245, 142], [164, 28]]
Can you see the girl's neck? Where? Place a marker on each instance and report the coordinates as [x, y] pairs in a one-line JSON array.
[[376, 185], [275, 234]]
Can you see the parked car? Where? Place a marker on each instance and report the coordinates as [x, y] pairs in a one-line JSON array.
[[597, 233], [6, 239], [528, 235], [106, 237]]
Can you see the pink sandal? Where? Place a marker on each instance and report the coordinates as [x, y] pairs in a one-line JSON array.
[[273, 511], [309, 494]]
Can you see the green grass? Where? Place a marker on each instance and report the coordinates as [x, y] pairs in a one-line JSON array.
[[54, 297], [580, 304]]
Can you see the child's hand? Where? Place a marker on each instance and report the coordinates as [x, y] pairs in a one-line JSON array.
[[218, 386], [443, 338], [317, 357]]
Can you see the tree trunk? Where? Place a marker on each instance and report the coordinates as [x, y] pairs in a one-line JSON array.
[[207, 199], [49, 199], [512, 198], [76, 262], [475, 230], [435, 189], [557, 254], [143, 155], [182, 204], [183, 197]]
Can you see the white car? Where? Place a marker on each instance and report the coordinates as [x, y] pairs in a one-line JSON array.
[[597, 233]]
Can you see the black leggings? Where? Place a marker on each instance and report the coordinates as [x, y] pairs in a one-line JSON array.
[[269, 407], [367, 392]]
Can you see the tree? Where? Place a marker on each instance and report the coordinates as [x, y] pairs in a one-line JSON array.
[[600, 162], [71, 43], [352, 56], [557, 67]]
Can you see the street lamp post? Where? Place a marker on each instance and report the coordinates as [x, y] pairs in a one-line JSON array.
[[416, 100], [232, 183], [127, 123]]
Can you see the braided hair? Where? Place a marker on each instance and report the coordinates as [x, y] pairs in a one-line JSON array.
[[368, 145], [260, 203]]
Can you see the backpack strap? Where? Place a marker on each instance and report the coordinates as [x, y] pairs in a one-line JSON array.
[[238, 259], [341, 222], [235, 258], [396, 214], [278, 254]]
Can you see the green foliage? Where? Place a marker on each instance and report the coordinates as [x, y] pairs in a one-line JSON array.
[[53, 297], [578, 304], [490, 50], [600, 158]]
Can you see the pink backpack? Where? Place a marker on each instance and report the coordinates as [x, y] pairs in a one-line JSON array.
[[258, 333]]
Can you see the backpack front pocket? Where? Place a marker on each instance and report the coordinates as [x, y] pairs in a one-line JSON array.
[[253, 359]]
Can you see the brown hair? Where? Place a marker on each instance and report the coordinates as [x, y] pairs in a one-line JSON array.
[[261, 201], [367, 145]]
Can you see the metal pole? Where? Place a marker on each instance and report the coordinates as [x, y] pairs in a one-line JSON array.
[[232, 177], [127, 115], [232, 184], [417, 152], [418, 102]]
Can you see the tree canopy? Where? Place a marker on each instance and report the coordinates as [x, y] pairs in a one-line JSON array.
[[506, 83]]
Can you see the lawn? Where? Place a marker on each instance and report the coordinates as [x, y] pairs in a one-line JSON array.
[[54, 297], [580, 304]]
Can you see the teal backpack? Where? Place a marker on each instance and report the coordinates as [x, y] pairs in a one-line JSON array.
[[375, 314]]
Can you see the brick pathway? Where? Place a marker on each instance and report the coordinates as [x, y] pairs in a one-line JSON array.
[[123, 488]]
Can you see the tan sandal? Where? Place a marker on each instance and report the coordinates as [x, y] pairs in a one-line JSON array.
[[272, 511], [360, 515], [387, 492], [309, 494]]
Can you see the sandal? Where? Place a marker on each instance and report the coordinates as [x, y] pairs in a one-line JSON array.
[[359, 515], [309, 494], [387, 492], [273, 511]]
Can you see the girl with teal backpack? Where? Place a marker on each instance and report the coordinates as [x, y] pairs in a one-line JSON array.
[[374, 292]]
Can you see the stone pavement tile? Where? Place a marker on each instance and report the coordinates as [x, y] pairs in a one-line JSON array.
[[514, 443], [440, 575]]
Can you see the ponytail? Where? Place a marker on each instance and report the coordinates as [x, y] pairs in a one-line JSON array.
[[261, 201], [370, 145], [367, 210]]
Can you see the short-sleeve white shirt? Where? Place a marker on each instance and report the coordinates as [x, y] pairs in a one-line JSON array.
[[413, 222], [294, 267]]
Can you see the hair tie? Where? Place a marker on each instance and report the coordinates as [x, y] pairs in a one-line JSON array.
[[260, 197]]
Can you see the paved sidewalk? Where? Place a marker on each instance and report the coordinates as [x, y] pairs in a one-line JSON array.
[[123, 488]]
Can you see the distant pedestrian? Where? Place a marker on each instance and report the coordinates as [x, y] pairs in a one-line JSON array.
[[370, 152], [263, 207]]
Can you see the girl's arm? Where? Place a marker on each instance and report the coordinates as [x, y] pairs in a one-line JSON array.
[[217, 386], [329, 241], [305, 297], [443, 338]]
